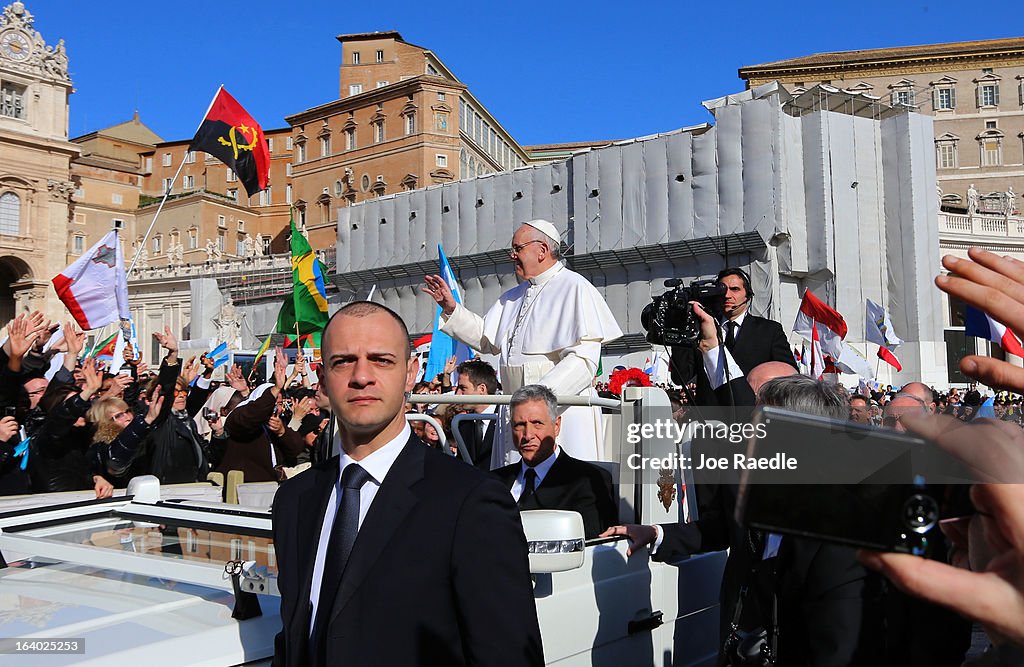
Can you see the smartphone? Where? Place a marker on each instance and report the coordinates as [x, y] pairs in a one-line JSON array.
[[9, 411], [849, 484]]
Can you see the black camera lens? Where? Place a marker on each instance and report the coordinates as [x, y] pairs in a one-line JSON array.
[[920, 513]]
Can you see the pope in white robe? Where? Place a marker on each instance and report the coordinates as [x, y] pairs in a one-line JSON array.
[[547, 330]]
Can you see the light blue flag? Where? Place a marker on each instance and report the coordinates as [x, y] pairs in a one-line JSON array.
[[441, 344]]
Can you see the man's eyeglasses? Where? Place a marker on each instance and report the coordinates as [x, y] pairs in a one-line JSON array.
[[181, 392], [516, 249]]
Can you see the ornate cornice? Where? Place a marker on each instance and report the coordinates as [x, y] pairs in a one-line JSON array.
[[887, 67]]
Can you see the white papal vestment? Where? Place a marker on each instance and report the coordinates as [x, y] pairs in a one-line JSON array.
[[547, 330]]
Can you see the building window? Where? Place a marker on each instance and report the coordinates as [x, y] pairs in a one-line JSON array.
[[167, 185], [149, 164], [265, 197], [991, 125], [300, 152], [440, 97], [380, 55], [12, 101], [221, 237], [288, 169], [233, 193], [381, 84], [988, 95], [431, 70], [158, 245], [193, 238], [945, 156], [116, 198], [288, 194], [266, 244], [240, 247], [350, 138], [355, 89], [325, 145], [79, 244], [117, 223], [189, 182], [167, 160], [441, 121], [991, 153], [441, 160], [410, 122], [190, 157], [231, 176], [288, 143], [905, 97], [302, 216], [378, 132], [944, 99], [222, 222], [10, 214], [355, 57]]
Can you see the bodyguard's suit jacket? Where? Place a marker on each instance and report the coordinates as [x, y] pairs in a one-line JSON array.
[[757, 341], [479, 450], [438, 574], [575, 485]]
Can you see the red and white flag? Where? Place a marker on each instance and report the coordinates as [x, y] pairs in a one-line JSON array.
[[95, 288], [827, 325], [812, 358], [878, 330]]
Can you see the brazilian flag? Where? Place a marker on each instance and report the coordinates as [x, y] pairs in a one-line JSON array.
[[307, 308]]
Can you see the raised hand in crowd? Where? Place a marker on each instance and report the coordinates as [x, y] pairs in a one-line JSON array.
[[280, 371], [93, 379], [103, 488], [156, 403], [169, 342], [207, 363], [275, 425], [8, 428], [128, 354], [20, 336], [300, 409], [117, 385], [237, 381], [440, 292], [74, 341], [190, 370], [449, 366]]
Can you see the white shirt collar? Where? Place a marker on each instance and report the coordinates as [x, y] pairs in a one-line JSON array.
[[738, 320], [379, 462], [546, 275], [541, 468]]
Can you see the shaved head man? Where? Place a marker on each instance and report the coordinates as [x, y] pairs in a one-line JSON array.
[[769, 370], [922, 391]]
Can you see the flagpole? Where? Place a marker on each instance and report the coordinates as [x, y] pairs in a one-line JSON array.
[[170, 187]]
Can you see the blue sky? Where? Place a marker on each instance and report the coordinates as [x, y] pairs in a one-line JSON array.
[[549, 71]]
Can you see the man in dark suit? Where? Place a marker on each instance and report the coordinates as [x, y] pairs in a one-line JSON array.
[[750, 341], [393, 553], [548, 478], [477, 378]]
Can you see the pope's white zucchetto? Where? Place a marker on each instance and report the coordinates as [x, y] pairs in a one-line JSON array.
[[546, 228]]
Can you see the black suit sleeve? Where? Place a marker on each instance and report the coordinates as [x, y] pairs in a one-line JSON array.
[[684, 365], [489, 553]]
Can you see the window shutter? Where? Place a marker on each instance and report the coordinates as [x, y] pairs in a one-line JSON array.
[[952, 97], [935, 99], [977, 96], [995, 97]]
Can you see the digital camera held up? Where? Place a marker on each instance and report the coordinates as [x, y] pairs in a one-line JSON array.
[[669, 319]]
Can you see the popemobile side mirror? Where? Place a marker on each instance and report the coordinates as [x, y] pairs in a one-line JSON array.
[[554, 539]]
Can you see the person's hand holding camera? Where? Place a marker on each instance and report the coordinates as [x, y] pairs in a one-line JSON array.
[[8, 428], [708, 328]]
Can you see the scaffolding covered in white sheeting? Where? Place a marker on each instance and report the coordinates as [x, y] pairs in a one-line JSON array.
[[829, 190]]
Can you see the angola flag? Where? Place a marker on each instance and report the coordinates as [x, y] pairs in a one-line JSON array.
[[307, 307], [230, 134]]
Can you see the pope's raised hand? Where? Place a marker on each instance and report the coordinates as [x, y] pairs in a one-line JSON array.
[[440, 293]]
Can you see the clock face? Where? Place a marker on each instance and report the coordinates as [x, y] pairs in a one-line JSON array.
[[15, 45]]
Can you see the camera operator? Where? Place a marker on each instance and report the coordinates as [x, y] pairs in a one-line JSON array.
[[750, 341]]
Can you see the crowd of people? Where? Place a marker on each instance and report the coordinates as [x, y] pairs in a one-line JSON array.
[[80, 427]]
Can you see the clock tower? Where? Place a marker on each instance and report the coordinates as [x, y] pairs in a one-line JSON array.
[[35, 165]]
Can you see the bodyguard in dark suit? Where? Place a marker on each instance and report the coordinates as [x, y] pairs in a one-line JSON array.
[[750, 340], [547, 477], [407, 557], [477, 378]]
